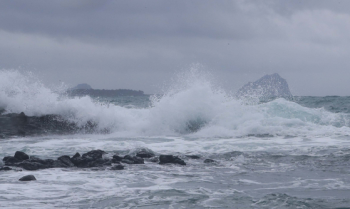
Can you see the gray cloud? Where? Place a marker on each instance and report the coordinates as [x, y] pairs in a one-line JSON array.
[[139, 44]]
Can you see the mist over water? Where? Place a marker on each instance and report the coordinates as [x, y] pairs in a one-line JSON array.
[[280, 153]]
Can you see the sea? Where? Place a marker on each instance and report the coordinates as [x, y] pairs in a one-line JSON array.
[[275, 153]]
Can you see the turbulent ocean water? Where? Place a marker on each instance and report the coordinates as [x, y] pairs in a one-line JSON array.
[[281, 153]]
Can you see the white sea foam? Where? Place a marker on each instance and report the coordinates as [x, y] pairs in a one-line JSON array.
[[307, 157], [192, 105]]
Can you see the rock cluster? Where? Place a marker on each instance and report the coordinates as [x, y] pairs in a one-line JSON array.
[[90, 159], [94, 158]]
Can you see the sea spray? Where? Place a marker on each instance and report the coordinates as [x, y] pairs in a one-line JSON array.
[[191, 105], [188, 104]]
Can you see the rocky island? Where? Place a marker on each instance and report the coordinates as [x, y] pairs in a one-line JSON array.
[[85, 89], [269, 86]]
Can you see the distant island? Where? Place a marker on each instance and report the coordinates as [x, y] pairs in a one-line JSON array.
[[269, 86], [85, 89]]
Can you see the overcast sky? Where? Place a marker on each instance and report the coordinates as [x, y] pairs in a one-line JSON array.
[[142, 44]]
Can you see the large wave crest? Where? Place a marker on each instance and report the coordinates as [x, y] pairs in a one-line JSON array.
[[191, 105]]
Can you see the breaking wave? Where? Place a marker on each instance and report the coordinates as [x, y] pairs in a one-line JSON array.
[[192, 105]]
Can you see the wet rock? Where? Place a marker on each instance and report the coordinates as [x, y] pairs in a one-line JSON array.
[[165, 159], [209, 161], [145, 154], [14, 124], [41, 161], [32, 166], [9, 160], [127, 161], [118, 167], [5, 168], [21, 156], [94, 154], [27, 178], [90, 159], [193, 156], [132, 160], [76, 155], [18, 157], [80, 162], [100, 163], [116, 159], [35, 163], [58, 164], [65, 159]]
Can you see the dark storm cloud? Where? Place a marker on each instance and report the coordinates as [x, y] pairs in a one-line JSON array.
[[137, 44]]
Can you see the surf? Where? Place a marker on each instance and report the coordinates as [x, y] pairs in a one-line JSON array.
[[191, 105]]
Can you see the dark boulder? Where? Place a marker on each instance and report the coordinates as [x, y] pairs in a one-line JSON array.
[[65, 159], [58, 164], [165, 159], [116, 159], [94, 154], [138, 160], [132, 160], [76, 155], [27, 178], [127, 161], [209, 161], [5, 168], [145, 154], [117, 167], [81, 162], [99, 163], [90, 159], [21, 156], [41, 161], [9, 160], [32, 166]]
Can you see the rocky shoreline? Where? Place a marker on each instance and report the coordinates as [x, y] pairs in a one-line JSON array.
[[21, 125], [91, 159]]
